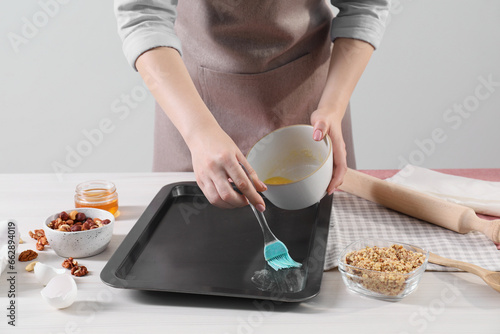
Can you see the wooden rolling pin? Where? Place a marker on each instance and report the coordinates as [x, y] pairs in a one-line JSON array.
[[434, 210]]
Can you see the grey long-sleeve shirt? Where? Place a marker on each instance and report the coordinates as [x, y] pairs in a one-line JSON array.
[[146, 24]]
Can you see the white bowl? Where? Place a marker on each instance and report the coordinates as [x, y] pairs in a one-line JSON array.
[[292, 153], [82, 243]]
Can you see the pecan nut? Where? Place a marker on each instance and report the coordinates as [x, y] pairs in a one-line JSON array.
[[28, 255], [79, 271]]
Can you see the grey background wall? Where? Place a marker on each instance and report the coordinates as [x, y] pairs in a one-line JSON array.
[[428, 78], [70, 103]]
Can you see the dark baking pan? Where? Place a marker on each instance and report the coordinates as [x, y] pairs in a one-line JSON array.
[[182, 243]]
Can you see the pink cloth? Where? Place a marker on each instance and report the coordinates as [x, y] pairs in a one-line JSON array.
[[487, 174]]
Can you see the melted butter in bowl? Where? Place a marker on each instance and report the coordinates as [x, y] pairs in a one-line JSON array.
[[276, 180], [296, 168]]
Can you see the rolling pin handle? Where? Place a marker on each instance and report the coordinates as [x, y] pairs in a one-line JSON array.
[[491, 228]]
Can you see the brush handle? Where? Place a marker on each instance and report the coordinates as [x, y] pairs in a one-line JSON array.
[[440, 212], [266, 231], [268, 234]]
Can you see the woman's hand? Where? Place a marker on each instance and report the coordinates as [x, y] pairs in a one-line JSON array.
[[325, 122], [216, 160], [347, 63], [215, 156]]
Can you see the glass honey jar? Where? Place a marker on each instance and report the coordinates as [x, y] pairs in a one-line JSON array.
[[97, 194]]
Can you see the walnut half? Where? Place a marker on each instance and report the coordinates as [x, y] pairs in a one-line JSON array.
[[79, 271], [37, 234], [69, 263]]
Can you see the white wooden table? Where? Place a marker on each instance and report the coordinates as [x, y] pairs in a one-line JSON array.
[[443, 303]]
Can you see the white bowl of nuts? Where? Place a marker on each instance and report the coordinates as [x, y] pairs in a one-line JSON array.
[[80, 232]]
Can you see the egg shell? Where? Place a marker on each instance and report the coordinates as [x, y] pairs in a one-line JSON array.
[[60, 292], [44, 273]]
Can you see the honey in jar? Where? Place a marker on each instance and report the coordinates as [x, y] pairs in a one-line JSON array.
[[97, 194]]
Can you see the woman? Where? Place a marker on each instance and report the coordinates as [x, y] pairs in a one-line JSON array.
[[226, 72]]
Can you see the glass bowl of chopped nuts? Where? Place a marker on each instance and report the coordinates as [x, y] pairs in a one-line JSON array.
[[382, 269], [80, 232]]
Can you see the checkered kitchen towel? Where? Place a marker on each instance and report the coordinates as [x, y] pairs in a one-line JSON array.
[[355, 218]]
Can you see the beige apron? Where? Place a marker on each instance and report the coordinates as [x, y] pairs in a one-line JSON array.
[[258, 65]]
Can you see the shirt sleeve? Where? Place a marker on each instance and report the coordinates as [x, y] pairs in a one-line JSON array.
[[360, 19], [146, 24]]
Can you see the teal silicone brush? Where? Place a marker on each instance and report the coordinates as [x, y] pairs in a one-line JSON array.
[[275, 251]]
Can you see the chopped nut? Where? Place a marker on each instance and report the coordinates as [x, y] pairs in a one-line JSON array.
[[31, 266], [21, 241], [386, 267], [106, 221], [69, 263], [79, 271], [28, 255]]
